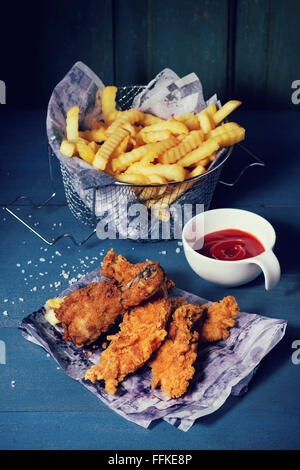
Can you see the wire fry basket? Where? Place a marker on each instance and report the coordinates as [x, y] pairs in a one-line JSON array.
[[197, 190]]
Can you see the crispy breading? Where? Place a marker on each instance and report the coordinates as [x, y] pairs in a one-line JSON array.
[[141, 332], [138, 281], [90, 311], [219, 318], [172, 366]]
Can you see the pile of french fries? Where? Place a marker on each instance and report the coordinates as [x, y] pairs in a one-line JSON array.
[[141, 149]]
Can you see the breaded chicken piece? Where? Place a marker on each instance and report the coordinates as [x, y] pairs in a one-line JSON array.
[[90, 311], [142, 331], [138, 282], [220, 317], [172, 366]]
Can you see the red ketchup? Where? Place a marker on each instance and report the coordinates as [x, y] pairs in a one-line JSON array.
[[231, 245]]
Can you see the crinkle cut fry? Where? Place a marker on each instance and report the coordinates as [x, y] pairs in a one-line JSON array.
[[142, 331]]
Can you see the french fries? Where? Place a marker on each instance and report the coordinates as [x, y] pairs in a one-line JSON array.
[[108, 101], [141, 149], [72, 123]]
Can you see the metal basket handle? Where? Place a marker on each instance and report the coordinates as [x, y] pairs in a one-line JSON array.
[[258, 162], [40, 206]]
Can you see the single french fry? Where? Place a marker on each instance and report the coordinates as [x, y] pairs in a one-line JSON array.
[[171, 172], [126, 159], [85, 152], [231, 137], [155, 136], [189, 143], [199, 170], [211, 109], [108, 101], [157, 179], [106, 149], [205, 149], [226, 109], [72, 123], [228, 126], [205, 121], [121, 147], [133, 178], [171, 125], [96, 135], [67, 148]]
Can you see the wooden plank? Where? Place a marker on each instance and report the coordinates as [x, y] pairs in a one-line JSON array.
[[251, 52], [130, 42], [48, 38], [266, 55], [283, 52], [189, 36], [73, 32]]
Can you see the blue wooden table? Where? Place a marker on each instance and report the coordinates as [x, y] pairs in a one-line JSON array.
[[40, 406]]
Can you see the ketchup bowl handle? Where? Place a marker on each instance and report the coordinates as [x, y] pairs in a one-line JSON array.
[[270, 266]]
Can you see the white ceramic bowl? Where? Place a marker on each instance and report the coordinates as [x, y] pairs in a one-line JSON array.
[[231, 273]]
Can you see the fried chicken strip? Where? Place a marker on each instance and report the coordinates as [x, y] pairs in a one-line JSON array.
[[220, 317], [172, 366], [90, 311], [142, 331], [138, 282]]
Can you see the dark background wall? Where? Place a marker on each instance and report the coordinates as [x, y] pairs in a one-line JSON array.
[[245, 49]]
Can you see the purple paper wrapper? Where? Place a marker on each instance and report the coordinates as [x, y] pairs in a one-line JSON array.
[[222, 368]]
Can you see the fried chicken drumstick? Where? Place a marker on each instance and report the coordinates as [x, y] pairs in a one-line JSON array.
[[138, 282], [92, 310], [142, 331]]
